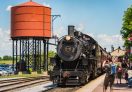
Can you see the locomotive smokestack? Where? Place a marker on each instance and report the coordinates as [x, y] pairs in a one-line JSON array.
[[71, 30]]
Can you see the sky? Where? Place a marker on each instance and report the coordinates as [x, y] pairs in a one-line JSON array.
[[102, 19]]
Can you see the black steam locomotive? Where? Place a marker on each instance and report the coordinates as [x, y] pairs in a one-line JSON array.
[[79, 58]]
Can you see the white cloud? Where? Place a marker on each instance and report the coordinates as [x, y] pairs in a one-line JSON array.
[[80, 27], [8, 8], [91, 34], [6, 45], [61, 31], [45, 4], [104, 40], [107, 40]]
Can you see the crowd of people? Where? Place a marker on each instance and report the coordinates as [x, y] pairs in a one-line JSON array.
[[116, 68]]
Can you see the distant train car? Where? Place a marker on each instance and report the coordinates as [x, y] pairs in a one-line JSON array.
[[79, 58]]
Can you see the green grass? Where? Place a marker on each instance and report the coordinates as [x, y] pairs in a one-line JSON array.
[[5, 61]]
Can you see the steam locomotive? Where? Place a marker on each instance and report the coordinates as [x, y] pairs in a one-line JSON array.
[[79, 58]]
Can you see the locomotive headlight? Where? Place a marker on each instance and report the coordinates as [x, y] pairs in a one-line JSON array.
[[68, 38]]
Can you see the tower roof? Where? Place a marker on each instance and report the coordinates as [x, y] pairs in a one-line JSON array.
[[30, 3]]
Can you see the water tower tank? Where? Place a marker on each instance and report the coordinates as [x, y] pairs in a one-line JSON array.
[[30, 20]]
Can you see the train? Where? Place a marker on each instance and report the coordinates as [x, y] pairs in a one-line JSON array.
[[79, 58]]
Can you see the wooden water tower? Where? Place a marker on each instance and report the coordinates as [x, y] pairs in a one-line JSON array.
[[30, 33]]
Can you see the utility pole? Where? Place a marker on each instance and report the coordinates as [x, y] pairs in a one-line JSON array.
[[53, 19]]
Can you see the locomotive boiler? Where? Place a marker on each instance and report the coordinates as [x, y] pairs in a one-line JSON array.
[[78, 59]]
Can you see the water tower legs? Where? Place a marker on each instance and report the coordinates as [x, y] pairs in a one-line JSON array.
[[30, 54]]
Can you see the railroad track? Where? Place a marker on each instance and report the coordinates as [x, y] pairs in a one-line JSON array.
[[18, 79], [15, 84], [69, 88]]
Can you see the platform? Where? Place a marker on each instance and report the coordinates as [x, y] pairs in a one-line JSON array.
[[92, 85], [116, 87], [97, 85]]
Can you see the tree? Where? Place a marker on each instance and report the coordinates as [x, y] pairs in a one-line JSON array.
[[126, 30], [7, 58], [0, 58], [51, 54]]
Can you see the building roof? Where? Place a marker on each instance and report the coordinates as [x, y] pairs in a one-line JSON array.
[[118, 52]]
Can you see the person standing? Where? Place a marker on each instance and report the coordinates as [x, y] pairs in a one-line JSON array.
[[119, 73], [118, 69], [126, 76], [110, 70], [124, 67]]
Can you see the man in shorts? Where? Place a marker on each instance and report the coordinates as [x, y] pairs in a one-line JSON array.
[[110, 70]]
